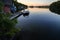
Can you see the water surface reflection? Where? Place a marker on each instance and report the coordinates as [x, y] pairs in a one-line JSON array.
[[39, 18], [42, 22]]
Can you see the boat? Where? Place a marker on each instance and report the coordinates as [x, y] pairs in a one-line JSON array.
[[25, 12]]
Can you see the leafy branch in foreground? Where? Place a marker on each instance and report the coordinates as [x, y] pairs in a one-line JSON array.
[[7, 26]]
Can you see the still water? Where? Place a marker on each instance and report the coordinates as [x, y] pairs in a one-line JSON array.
[[39, 18], [40, 24]]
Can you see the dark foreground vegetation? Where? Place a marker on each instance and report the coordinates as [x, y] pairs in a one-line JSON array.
[[7, 26]]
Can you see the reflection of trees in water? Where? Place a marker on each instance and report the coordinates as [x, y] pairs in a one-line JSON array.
[[55, 7]]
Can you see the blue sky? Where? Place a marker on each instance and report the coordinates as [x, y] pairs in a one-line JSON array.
[[36, 2]]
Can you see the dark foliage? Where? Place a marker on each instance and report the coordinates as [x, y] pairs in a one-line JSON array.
[[7, 26], [20, 6], [55, 7]]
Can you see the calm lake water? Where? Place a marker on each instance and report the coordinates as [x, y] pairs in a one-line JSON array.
[[41, 24], [39, 18]]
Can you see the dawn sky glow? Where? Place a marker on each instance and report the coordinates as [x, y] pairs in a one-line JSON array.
[[36, 2]]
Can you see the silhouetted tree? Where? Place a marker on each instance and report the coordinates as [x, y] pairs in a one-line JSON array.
[[55, 7], [19, 5]]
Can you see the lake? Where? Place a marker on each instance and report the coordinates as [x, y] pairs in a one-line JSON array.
[[41, 21], [39, 17]]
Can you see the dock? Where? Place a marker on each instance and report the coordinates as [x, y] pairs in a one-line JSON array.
[[15, 15]]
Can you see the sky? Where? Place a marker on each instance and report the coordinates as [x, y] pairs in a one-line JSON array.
[[36, 2]]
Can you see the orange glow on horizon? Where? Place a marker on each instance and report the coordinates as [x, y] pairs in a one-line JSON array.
[[34, 3]]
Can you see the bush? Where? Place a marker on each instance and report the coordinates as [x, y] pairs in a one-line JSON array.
[[7, 26], [1, 6]]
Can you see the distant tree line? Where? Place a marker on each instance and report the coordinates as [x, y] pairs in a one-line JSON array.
[[39, 6]]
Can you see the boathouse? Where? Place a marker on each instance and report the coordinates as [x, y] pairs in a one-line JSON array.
[[7, 4]]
